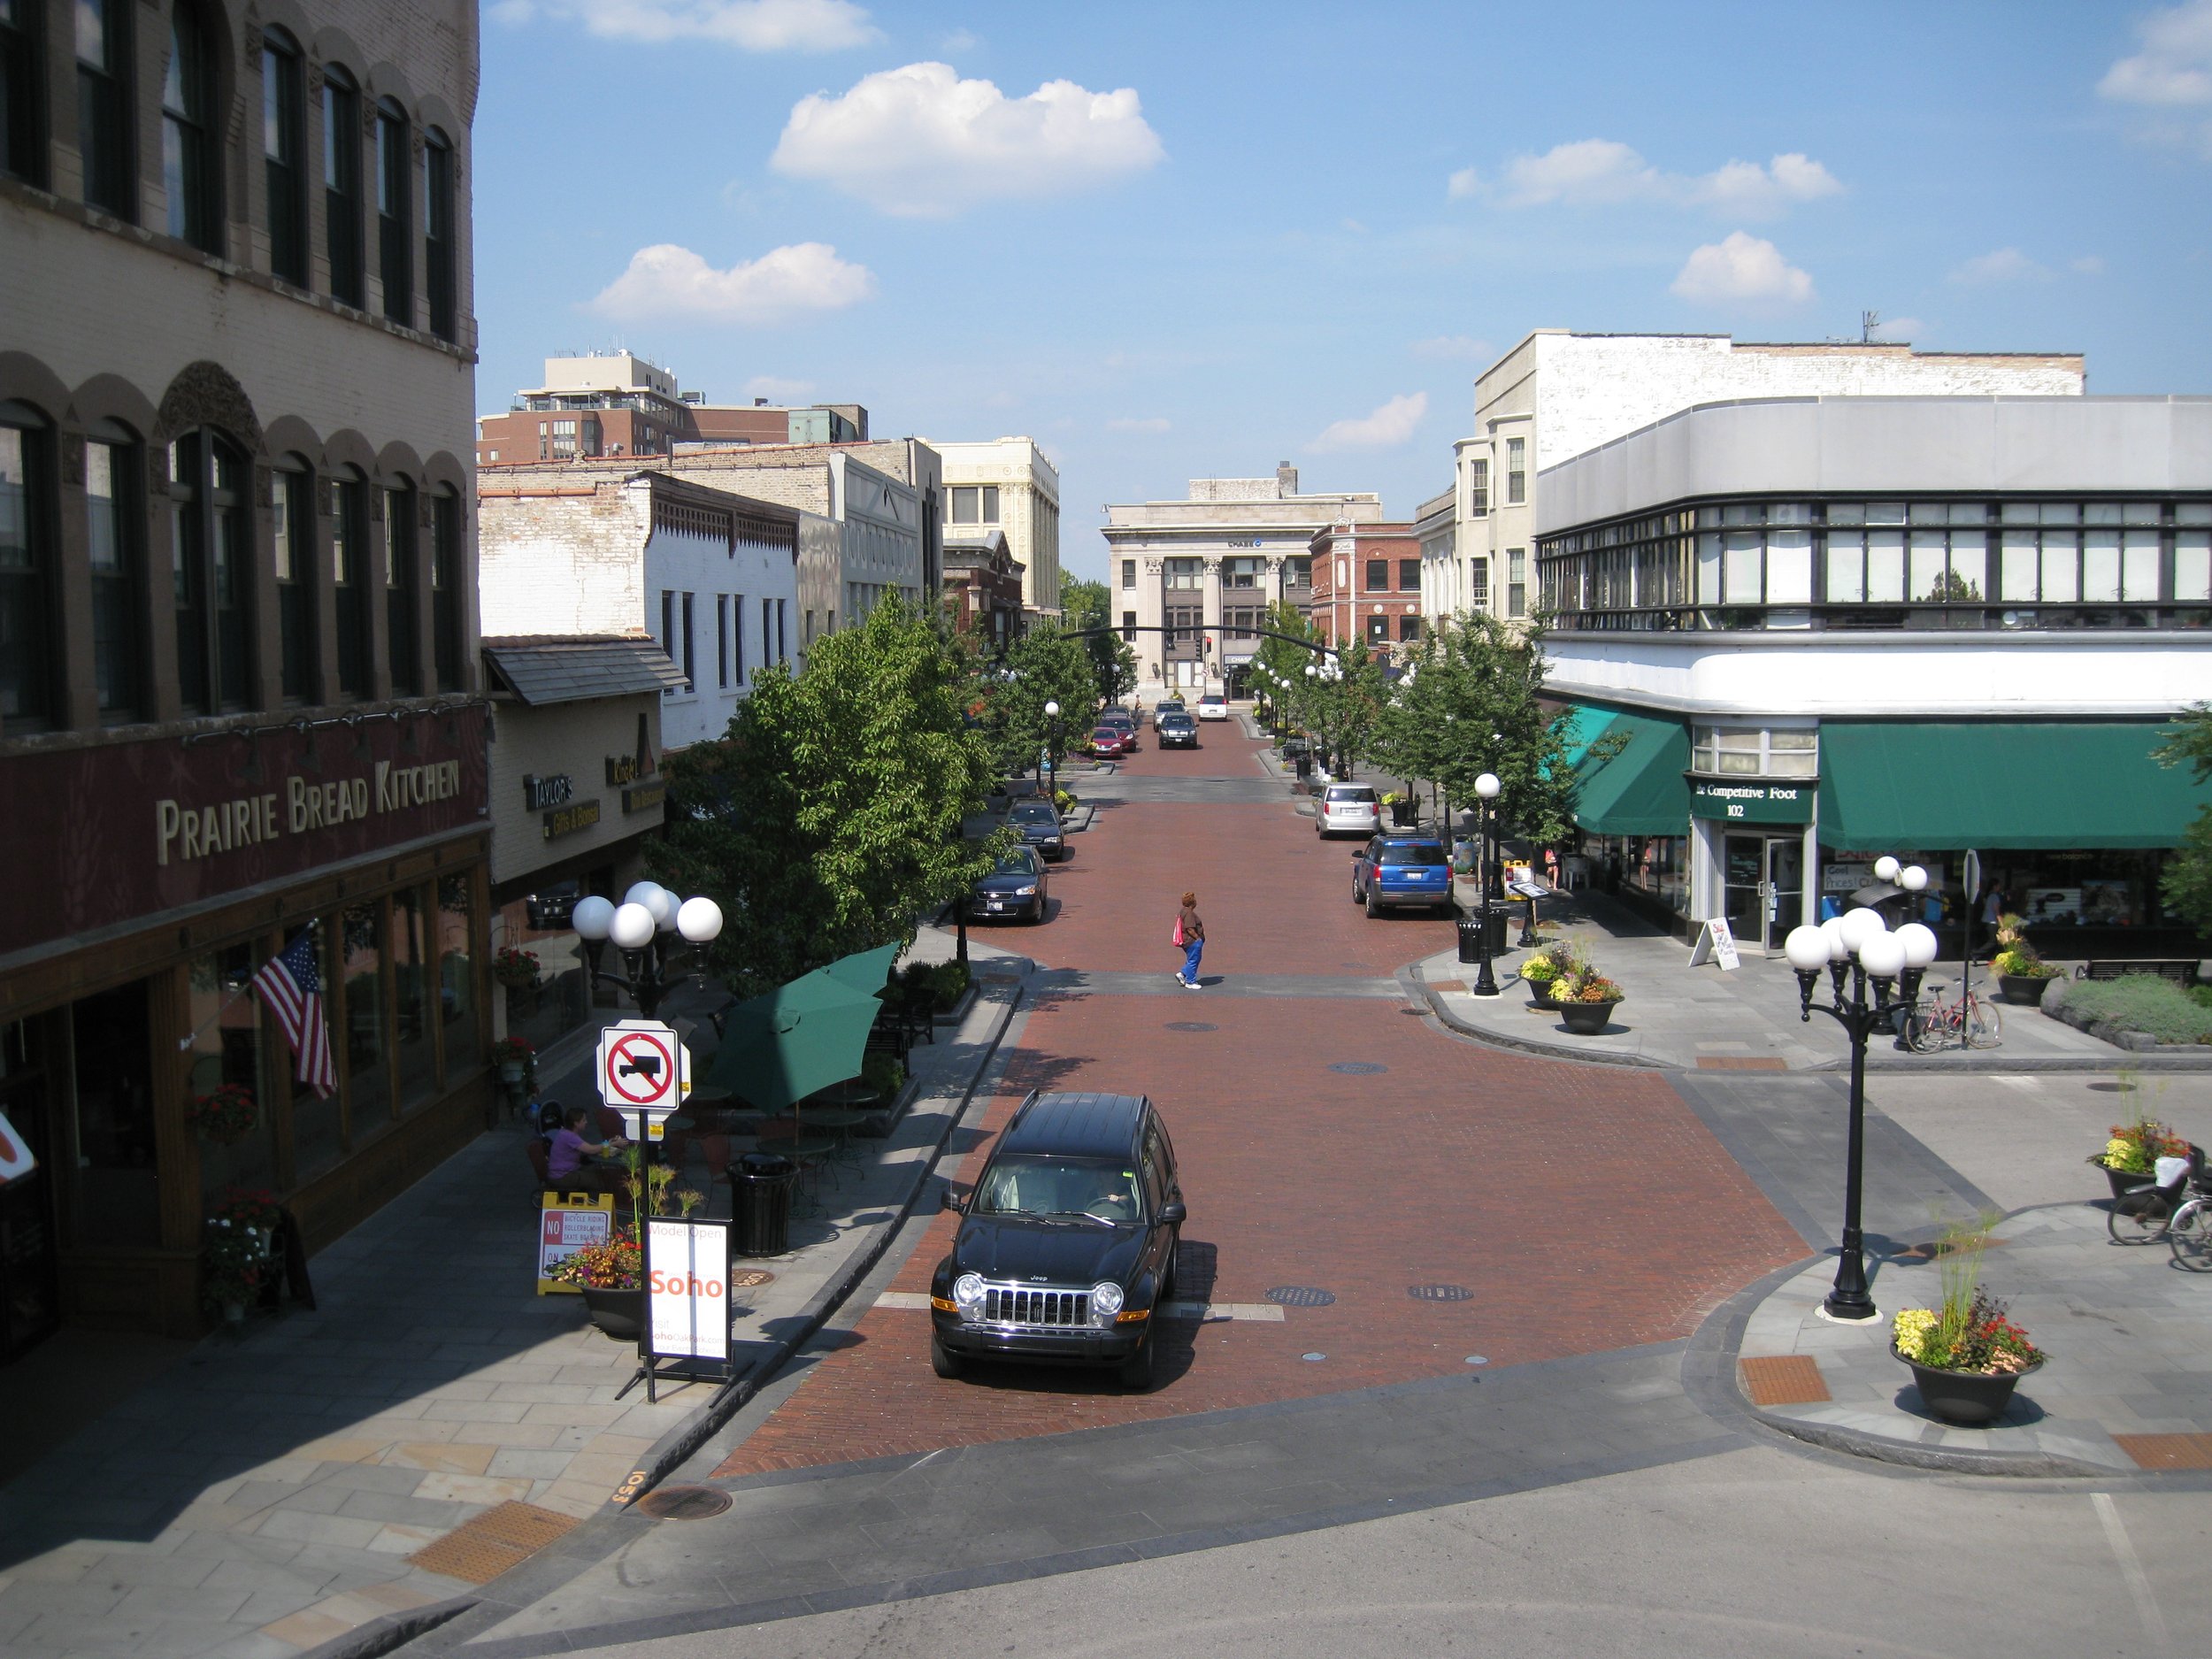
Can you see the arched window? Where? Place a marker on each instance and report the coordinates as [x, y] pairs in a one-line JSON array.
[[348, 549], [284, 150], [395, 167], [437, 231], [400, 587], [115, 546], [103, 103], [342, 183], [27, 571], [292, 521], [449, 569], [22, 90], [188, 142], [212, 559]]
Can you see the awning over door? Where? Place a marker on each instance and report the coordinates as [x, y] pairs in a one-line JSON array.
[[2025, 784], [1585, 726], [1641, 790]]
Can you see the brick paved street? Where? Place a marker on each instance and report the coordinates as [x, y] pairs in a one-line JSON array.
[[1583, 1208]]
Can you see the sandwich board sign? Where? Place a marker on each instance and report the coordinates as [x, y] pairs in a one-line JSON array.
[[566, 1223], [644, 1072], [686, 1335], [15, 1154], [1715, 943]]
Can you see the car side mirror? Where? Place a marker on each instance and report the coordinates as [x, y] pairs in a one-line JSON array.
[[952, 1200], [1173, 1213]]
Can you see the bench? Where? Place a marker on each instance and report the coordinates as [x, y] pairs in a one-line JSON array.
[[2181, 972]]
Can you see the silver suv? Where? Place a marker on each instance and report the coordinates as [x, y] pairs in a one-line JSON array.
[[1348, 809]]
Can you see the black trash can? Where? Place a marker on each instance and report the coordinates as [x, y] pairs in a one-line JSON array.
[[1471, 934], [760, 1197]]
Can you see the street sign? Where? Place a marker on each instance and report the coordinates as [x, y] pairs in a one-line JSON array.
[[1715, 943], [644, 1070], [566, 1223]]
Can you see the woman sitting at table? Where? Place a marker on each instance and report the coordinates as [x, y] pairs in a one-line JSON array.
[[565, 1158]]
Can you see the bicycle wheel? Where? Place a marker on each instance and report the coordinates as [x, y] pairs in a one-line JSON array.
[[2190, 1233], [1929, 1033], [1985, 1026], [2138, 1217]]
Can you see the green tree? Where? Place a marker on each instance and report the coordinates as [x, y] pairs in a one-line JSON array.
[[1044, 665], [1086, 606], [829, 819], [2187, 882], [1284, 681]]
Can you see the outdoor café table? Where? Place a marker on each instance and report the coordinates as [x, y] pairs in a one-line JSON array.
[[841, 1121]]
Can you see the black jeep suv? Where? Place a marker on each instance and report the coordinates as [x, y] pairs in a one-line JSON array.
[[1067, 1254]]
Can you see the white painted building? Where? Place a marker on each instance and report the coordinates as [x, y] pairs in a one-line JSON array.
[[1009, 484], [1823, 629], [710, 575], [1558, 394]]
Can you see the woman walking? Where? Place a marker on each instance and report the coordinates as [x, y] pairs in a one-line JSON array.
[[1190, 933]]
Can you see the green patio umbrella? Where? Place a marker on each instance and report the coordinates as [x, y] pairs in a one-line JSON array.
[[785, 1044], [868, 970]]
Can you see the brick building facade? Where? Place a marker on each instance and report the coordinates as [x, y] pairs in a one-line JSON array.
[[1366, 585]]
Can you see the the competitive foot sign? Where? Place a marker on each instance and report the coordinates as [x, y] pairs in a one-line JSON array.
[[643, 1070]]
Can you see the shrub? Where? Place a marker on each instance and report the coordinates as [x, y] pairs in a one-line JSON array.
[[2145, 1003], [883, 1074]]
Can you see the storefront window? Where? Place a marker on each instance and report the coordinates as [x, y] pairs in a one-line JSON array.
[[367, 1078], [30, 1305], [456, 976], [414, 963], [1724, 751], [226, 1025], [116, 1197], [317, 1121]]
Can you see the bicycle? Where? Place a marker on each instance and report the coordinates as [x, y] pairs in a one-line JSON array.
[[2190, 1232], [2146, 1214], [1965, 1022]]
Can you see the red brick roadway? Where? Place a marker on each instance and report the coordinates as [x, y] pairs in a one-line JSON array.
[[1584, 1207]]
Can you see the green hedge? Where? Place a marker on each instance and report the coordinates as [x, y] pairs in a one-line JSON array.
[[2145, 1003]]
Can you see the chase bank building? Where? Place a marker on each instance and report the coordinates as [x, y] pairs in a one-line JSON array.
[[1795, 635]]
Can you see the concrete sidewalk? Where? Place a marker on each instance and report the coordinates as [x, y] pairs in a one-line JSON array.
[[270, 1494]]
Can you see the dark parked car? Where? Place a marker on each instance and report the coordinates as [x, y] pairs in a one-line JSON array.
[[1017, 888], [1067, 1250], [1393, 872], [1111, 740], [552, 906], [1041, 828], [1167, 706], [1178, 731]]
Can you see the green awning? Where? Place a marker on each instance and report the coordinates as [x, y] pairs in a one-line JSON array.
[[2025, 784], [1641, 790], [1585, 726]]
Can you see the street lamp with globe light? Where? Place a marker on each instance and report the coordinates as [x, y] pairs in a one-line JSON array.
[[1859, 947], [638, 928], [1052, 752], [1486, 787]]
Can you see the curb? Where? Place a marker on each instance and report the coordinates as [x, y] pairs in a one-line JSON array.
[[1409, 978], [393, 1631]]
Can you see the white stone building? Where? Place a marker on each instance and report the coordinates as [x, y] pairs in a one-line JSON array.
[[1009, 484], [1213, 563], [1558, 394]]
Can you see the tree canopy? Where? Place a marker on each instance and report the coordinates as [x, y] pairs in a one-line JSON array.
[[1085, 606], [2188, 881], [829, 819], [1044, 665]]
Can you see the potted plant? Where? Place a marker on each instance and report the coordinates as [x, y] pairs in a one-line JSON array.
[[2131, 1156], [225, 1114], [1967, 1356], [517, 1059], [1540, 973], [611, 1276], [2021, 972], [1404, 809], [233, 1266], [1587, 1000], [516, 969]]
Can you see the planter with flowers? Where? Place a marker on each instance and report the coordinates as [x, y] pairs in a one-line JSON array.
[[1546, 970], [2131, 1157], [611, 1276], [235, 1265], [1967, 1356], [1404, 810], [256, 1212], [2021, 972], [225, 1114], [1586, 1001], [517, 1059], [521, 972]]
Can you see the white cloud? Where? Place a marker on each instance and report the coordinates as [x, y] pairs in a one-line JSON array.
[[2003, 265], [1138, 423], [1742, 268], [1453, 349], [2175, 66], [1385, 428], [920, 142], [667, 282], [753, 26], [1601, 172], [779, 391], [1899, 331], [2088, 264], [959, 40]]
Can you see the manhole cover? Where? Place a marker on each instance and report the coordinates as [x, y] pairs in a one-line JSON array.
[[749, 1278], [1479, 1359], [1416, 1012], [684, 1504], [1313, 1357], [1190, 1025], [1440, 1293], [1358, 1068], [1300, 1296]]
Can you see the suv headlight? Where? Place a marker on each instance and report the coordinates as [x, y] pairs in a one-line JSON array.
[[1029, 892], [1105, 1300], [967, 1290]]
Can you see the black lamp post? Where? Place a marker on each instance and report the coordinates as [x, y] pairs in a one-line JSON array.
[[1486, 789], [1052, 753], [1859, 948], [640, 928]]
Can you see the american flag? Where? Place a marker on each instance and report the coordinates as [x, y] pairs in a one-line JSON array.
[[292, 990]]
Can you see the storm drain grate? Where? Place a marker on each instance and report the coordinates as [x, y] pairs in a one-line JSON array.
[[1358, 1068], [1300, 1296], [1440, 1293], [504, 1536], [684, 1504], [1190, 1025], [751, 1278]]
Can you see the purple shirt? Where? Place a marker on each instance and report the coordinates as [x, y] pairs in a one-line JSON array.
[[567, 1156]]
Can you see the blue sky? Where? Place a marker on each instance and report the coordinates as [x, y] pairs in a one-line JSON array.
[[1189, 240]]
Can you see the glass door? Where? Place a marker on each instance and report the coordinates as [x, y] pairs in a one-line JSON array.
[[1785, 887], [1744, 889]]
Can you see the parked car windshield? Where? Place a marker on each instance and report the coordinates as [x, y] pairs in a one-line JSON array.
[[1057, 1186], [1352, 792], [1432, 855], [1035, 812], [1017, 863]]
